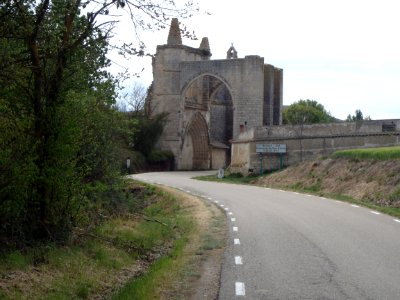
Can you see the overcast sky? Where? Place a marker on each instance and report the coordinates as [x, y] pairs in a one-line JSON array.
[[344, 53]]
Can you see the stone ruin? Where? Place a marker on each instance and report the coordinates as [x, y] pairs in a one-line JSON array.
[[210, 102]]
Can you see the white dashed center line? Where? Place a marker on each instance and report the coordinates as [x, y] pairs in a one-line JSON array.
[[239, 289], [236, 241], [238, 260]]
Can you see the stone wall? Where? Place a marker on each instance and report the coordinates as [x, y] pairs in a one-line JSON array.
[[310, 141]]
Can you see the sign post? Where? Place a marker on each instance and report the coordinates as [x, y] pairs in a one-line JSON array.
[[128, 164]]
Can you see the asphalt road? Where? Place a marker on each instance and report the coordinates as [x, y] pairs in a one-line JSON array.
[[284, 245]]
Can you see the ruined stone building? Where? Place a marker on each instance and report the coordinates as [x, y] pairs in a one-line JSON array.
[[209, 102]]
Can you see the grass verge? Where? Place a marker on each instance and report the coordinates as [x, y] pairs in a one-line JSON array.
[[392, 211], [236, 178], [105, 261], [384, 153], [173, 276], [314, 189]]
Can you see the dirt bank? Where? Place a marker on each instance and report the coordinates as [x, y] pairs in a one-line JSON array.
[[365, 180]]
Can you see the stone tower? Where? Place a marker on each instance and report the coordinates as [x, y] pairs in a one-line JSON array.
[[209, 102]]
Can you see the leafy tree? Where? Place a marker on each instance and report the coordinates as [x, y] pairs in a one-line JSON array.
[[306, 112], [358, 116], [148, 131], [57, 125]]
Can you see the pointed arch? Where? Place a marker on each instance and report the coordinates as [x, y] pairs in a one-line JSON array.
[[196, 146]]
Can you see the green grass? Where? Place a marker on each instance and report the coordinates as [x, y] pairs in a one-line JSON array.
[[80, 269], [385, 153], [180, 267], [236, 178], [144, 286], [167, 268]]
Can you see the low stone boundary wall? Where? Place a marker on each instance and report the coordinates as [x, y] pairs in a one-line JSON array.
[[310, 141]]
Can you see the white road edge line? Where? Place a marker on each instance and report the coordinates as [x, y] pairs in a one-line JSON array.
[[375, 212], [396, 220], [239, 289], [234, 228], [236, 241], [226, 208], [238, 260], [230, 213], [354, 205], [233, 219]]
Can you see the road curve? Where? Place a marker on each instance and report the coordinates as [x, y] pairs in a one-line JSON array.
[[285, 245]]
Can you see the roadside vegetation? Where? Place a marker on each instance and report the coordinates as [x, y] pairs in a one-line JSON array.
[[237, 178], [154, 246], [64, 142], [385, 153], [368, 177], [70, 226]]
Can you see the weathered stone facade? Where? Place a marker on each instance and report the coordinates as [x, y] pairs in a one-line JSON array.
[[210, 101]]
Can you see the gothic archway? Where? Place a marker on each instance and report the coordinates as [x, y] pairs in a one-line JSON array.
[[196, 149], [211, 96]]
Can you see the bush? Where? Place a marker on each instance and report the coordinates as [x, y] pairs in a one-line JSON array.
[[160, 156]]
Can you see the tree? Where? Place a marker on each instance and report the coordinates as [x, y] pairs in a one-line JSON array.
[[358, 116], [56, 117], [306, 112], [134, 100]]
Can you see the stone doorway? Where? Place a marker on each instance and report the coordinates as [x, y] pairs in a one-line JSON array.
[[195, 150], [209, 108]]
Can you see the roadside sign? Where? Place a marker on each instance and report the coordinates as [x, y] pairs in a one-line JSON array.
[[270, 148]]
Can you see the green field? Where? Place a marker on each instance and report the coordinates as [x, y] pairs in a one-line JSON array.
[[385, 153]]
